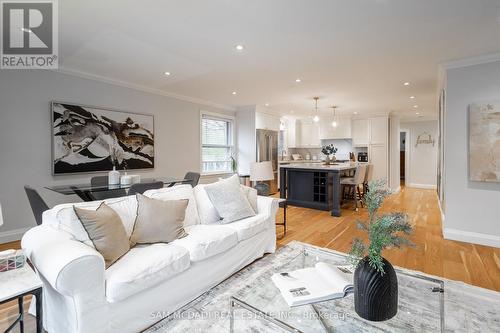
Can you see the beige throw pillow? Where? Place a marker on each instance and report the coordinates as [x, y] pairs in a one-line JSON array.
[[158, 221], [106, 231]]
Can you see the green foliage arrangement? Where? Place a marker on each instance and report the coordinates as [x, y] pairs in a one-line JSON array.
[[383, 230]]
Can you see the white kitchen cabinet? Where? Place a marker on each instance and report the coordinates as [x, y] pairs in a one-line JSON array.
[[342, 131], [379, 130], [291, 132], [308, 134], [378, 156], [267, 121], [360, 132]]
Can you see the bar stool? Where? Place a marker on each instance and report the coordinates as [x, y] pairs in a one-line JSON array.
[[368, 178], [353, 185]]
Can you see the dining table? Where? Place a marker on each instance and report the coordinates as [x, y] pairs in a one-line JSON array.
[[85, 190]]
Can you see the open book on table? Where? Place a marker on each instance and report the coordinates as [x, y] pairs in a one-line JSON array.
[[314, 284]]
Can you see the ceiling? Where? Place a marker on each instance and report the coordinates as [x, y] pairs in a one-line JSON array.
[[352, 53]]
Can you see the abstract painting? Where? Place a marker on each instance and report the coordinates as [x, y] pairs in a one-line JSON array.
[[91, 139], [484, 142]]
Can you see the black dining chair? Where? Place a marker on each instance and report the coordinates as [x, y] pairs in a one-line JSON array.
[[38, 206], [193, 177], [101, 195], [143, 187]]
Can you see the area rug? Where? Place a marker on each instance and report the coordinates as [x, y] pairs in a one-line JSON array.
[[466, 308]]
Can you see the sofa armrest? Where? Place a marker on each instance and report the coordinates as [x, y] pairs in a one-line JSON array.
[[69, 266], [268, 206]]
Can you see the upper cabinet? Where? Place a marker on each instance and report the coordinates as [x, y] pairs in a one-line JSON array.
[[369, 131], [360, 132], [342, 131], [267, 121], [379, 130], [308, 134], [291, 132]]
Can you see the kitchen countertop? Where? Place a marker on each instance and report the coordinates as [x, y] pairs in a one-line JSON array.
[[300, 161], [317, 166]]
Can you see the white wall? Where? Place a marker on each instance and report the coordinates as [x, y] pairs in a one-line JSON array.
[[472, 210], [25, 147], [422, 171], [394, 174], [246, 138]]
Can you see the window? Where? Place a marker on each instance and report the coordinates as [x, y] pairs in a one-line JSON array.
[[216, 143]]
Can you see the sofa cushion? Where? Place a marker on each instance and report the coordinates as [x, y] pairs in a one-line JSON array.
[[251, 195], [158, 221], [63, 216], [204, 241], [175, 193], [104, 227], [229, 200], [143, 267], [250, 226], [206, 210]]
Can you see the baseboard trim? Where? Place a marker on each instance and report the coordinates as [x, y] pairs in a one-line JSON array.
[[424, 186], [12, 235], [471, 237]]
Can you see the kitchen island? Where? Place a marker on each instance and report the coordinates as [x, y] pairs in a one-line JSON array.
[[313, 185]]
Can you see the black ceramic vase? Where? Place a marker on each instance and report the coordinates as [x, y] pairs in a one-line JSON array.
[[375, 295]]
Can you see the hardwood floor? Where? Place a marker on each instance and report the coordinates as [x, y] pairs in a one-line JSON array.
[[473, 264]]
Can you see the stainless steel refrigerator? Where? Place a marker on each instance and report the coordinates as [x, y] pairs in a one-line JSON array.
[[267, 150]]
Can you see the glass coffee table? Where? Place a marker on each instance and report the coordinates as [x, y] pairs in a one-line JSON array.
[[421, 303]]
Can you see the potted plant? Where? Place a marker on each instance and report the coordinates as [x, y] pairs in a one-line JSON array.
[[329, 151], [375, 281]]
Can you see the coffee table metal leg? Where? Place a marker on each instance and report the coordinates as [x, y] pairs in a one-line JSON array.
[[39, 311], [20, 302]]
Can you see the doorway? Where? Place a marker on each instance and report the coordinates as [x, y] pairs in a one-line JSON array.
[[404, 151]]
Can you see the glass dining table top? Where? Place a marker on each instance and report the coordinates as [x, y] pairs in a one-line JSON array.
[[68, 189]]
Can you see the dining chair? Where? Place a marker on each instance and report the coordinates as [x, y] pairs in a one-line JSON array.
[[143, 187], [353, 184], [193, 178], [38, 206], [101, 195]]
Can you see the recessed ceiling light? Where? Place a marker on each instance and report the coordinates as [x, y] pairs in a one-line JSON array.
[[406, 83], [417, 113], [234, 93], [355, 112], [239, 47], [267, 104], [167, 73], [412, 97], [415, 106], [298, 80]]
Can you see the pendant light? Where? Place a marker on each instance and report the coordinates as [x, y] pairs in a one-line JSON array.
[[334, 121], [316, 117]]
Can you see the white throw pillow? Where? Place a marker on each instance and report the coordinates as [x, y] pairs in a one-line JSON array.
[[177, 192], [206, 210], [229, 200], [251, 195]]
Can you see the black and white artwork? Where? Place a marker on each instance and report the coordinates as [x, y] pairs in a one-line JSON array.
[[91, 139]]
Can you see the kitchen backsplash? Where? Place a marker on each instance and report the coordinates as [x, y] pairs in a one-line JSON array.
[[344, 147]]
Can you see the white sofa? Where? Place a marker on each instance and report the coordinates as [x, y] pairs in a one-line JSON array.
[[150, 281]]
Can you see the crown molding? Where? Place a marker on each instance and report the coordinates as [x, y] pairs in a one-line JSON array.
[[478, 60], [138, 87]]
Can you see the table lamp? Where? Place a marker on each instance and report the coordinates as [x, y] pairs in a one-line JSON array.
[[260, 172]]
